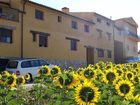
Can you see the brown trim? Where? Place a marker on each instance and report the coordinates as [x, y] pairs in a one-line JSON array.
[[38, 32], [72, 39]]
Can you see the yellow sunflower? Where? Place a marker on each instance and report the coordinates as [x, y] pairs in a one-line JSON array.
[[125, 88], [129, 75], [120, 72], [27, 77], [44, 71], [109, 76], [137, 98], [86, 94], [5, 74], [89, 74], [56, 70], [11, 81], [69, 80], [21, 80]]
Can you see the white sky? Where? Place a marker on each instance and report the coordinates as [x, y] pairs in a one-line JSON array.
[[108, 8]]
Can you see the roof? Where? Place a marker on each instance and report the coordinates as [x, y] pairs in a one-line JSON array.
[[59, 11]]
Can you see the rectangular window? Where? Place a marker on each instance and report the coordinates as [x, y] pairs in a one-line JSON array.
[[99, 20], [107, 23], [100, 33], [108, 35], [43, 40], [74, 25], [86, 28], [100, 52], [109, 54], [73, 43], [39, 14], [5, 35], [59, 18]]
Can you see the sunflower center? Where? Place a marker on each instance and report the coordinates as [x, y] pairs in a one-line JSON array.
[[110, 76], [54, 71], [10, 80], [124, 88], [20, 80], [134, 65], [129, 75], [119, 72], [67, 80], [43, 71], [88, 74], [87, 94]]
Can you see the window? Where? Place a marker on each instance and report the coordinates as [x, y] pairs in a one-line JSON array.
[[109, 54], [43, 39], [74, 25], [100, 33], [39, 14], [107, 23], [5, 35], [26, 64], [59, 18], [108, 35], [99, 20], [86, 28], [100, 52], [73, 43]]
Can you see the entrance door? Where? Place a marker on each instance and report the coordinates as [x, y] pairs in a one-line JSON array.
[[90, 55]]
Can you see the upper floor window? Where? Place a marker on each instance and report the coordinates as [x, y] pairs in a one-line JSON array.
[[100, 52], [107, 23], [109, 54], [59, 18], [100, 33], [39, 14], [73, 43], [5, 35], [74, 25], [99, 20], [108, 35], [86, 28]]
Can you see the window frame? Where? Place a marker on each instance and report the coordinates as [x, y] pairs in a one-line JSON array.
[[6, 35], [39, 14], [59, 19], [100, 52], [109, 54], [43, 40], [74, 25], [86, 28]]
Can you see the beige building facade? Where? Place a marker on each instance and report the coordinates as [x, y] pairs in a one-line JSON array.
[[31, 30]]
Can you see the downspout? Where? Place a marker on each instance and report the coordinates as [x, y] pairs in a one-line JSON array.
[[22, 27]]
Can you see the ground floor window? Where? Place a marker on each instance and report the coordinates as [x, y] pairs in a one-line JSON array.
[[5, 35], [100, 52]]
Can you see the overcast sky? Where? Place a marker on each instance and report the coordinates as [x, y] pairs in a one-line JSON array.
[[108, 8]]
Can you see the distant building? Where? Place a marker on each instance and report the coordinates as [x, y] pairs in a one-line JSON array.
[[29, 29]]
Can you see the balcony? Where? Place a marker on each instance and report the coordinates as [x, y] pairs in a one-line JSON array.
[[9, 14]]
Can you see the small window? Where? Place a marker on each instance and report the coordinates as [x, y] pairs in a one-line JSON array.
[[74, 25], [100, 52], [108, 35], [99, 20], [5, 35], [100, 33], [86, 28], [107, 23], [73, 43], [109, 54], [39, 14], [43, 41], [59, 18]]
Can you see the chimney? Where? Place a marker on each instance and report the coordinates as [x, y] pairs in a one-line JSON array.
[[65, 9]]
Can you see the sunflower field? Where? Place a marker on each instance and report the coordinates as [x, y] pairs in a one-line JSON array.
[[103, 83]]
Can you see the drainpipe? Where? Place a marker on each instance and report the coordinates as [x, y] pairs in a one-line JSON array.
[[22, 27]]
